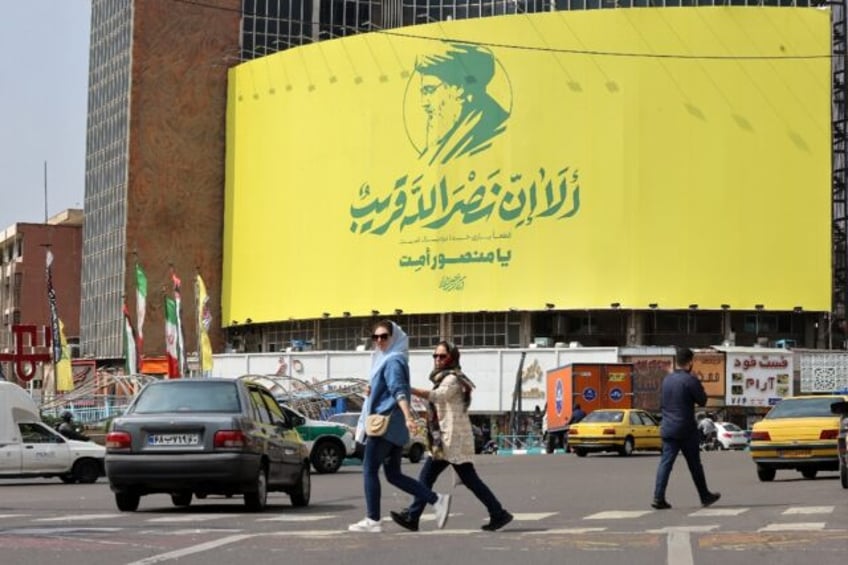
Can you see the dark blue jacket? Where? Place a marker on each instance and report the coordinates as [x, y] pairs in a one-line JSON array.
[[681, 391]]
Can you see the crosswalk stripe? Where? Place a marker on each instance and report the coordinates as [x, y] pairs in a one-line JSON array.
[[308, 533], [192, 531], [809, 510], [703, 512], [77, 517], [297, 518], [797, 526], [566, 531], [444, 532], [194, 518], [692, 529], [532, 517], [617, 515]]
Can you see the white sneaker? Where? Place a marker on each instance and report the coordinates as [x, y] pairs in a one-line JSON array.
[[366, 525], [442, 510]]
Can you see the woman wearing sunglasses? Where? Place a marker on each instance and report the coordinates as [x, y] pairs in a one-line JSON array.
[[389, 395], [451, 439]]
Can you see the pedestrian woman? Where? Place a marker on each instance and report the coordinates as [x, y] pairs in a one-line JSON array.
[[451, 439], [389, 396]]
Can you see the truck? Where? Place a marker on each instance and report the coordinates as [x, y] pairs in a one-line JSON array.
[[592, 386], [31, 448]]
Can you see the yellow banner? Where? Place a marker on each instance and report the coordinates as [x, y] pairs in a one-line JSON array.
[[570, 158]]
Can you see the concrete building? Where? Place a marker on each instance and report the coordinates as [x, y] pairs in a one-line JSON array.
[[155, 177]]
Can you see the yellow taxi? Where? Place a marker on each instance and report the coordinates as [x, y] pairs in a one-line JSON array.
[[623, 431], [799, 433]]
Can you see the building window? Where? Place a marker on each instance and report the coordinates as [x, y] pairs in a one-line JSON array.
[[483, 329]]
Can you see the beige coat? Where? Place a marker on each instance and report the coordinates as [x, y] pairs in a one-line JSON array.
[[454, 422]]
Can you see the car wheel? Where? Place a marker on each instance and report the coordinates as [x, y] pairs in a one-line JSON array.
[[765, 474], [302, 490], [327, 457], [127, 501], [627, 448], [257, 499], [86, 471], [181, 499], [416, 452], [843, 475], [580, 452], [809, 473]]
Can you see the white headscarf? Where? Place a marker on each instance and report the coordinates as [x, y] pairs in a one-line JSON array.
[[398, 346]]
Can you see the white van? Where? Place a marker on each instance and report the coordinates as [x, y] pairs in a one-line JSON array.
[[30, 448]]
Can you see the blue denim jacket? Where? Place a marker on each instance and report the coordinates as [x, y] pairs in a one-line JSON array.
[[389, 385]]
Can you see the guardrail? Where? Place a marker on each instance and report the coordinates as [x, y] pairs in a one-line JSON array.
[[86, 412]]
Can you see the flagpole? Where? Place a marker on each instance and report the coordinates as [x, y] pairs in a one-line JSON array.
[[54, 387], [198, 322]]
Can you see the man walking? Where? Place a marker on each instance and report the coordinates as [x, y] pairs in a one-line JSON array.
[[681, 391]]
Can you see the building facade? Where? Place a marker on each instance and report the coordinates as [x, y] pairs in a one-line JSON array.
[[154, 161], [23, 283], [155, 176]]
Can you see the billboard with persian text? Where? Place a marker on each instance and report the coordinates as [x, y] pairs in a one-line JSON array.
[[579, 159]]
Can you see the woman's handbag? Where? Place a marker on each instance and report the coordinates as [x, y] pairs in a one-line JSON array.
[[376, 425]]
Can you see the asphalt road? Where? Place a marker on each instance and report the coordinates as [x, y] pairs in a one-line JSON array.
[[593, 510]]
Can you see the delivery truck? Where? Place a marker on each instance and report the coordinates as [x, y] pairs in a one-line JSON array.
[[592, 386], [30, 448]]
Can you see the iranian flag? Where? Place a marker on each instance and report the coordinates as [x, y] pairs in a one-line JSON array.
[[130, 353], [140, 306], [171, 341]]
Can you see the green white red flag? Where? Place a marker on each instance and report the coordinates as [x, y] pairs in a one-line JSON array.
[[171, 342]]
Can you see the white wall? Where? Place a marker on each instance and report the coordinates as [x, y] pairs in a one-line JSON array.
[[492, 370]]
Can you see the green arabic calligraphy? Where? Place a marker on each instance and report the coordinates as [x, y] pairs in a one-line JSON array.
[[452, 284], [439, 260], [510, 200]]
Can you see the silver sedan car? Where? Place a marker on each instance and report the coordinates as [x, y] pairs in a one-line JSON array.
[[195, 437]]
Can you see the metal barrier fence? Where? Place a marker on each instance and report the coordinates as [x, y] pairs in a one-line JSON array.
[[87, 411], [519, 442]]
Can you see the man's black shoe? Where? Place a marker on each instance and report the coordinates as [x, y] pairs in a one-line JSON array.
[[711, 499], [498, 522], [661, 504], [403, 520]]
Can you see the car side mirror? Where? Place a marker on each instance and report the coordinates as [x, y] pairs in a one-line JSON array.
[[839, 408], [298, 421]]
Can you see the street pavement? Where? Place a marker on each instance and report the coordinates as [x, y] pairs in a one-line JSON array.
[[593, 510]]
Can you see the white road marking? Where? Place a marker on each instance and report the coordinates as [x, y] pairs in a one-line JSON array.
[[171, 555], [58, 530], [12, 516], [679, 548], [704, 512], [297, 518], [529, 517], [617, 515], [691, 529], [809, 510], [195, 518], [443, 532], [307, 533], [565, 531], [77, 517], [190, 531], [791, 527]]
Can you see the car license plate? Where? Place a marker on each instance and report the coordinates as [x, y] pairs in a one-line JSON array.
[[173, 439], [795, 453]]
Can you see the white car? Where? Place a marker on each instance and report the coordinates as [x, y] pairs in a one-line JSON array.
[[30, 448], [329, 443], [730, 436]]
